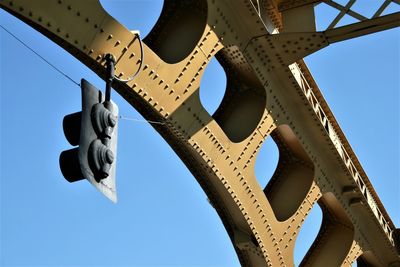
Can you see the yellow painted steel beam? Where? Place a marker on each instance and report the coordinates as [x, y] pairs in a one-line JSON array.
[[220, 150], [363, 28]]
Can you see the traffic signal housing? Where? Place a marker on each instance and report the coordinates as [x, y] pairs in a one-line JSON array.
[[95, 131]]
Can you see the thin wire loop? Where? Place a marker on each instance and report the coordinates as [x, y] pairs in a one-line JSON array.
[[137, 36]]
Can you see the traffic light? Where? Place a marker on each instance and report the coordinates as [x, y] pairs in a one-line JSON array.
[[94, 131]]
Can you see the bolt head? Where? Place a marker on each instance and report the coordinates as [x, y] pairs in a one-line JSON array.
[[112, 120], [109, 156]]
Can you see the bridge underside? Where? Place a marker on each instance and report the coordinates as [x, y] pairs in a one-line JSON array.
[[270, 92]]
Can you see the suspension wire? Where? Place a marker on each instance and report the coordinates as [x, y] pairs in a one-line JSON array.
[[78, 84], [41, 57], [137, 36], [139, 120]]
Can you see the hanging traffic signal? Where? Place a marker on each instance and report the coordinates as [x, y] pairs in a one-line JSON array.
[[94, 130]]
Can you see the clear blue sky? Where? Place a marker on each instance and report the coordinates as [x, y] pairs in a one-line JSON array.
[[162, 217]]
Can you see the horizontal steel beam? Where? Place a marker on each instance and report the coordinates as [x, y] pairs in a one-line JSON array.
[[363, 28]]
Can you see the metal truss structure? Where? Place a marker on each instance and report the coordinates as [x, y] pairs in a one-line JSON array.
[[270, 92]]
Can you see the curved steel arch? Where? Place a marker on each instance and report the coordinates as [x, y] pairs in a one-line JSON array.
[[219, 151]]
